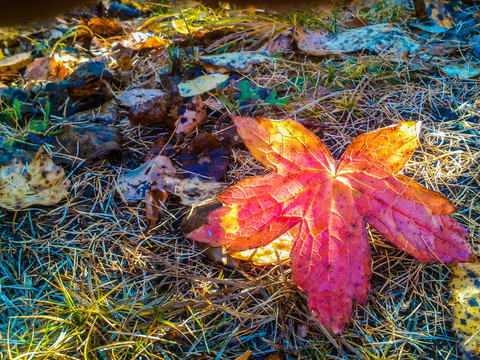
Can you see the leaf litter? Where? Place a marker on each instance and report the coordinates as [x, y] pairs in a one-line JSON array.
[[93, 253]]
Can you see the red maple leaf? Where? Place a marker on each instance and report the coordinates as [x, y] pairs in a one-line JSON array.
[[330, 258]]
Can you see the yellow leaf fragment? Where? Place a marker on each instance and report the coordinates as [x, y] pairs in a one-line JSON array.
[[465, 287], [278, 250], [245, 356], [183, 28], [39, 183]]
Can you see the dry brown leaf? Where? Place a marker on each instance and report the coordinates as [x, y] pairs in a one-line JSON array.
[[104, 27], [90, 142], [45, 68], [161, 109]]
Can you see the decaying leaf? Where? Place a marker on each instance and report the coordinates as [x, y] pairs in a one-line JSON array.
[[201, 84], [134, 97], [465, 71], [330, 258], [383, 39], [465, 287], [90, 142], [205, 156], [281, 43], [235, 61], [40, 182], [163, 109], [158, 175], [194, 191], [191, 117], [134, 185], [437, 11]]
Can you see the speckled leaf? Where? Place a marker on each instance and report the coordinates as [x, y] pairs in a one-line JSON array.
[[330, 257], [465, 288], [194, 114], [201, 84], [239, 61], [39, 182], [156, 176], [383, 39], [462, 71], [158, 173]]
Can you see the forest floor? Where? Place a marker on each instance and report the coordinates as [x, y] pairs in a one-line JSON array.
[[91, 277]]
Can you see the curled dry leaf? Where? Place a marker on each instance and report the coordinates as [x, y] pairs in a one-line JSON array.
[[330, 258], [39, 182], [465, 288], [154, 205]]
